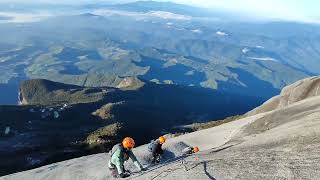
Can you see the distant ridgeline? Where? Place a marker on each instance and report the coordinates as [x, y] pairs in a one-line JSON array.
[[165, 43]]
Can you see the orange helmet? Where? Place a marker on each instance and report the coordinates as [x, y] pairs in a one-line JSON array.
[[162, 139], [195, 150], [128, 143]]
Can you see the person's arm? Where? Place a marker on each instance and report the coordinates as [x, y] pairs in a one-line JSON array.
[[187, 150], [160, 149], [135, 161], [116, 160]]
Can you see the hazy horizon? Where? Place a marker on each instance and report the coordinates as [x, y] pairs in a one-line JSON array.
[[298, 11]]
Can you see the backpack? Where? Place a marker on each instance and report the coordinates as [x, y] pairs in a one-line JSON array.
[[114, 149], [151, 146]]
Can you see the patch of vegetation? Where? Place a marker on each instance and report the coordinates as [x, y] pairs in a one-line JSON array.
[[103, 138], [201, 126], [46, 92], [105, 112], [130, 83]]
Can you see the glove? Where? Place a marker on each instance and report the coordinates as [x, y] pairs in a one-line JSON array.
[[143, 169]]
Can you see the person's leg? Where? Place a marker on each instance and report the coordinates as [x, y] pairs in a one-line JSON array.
[[157, 154], [154, 157], [113, 170], [158, 158]]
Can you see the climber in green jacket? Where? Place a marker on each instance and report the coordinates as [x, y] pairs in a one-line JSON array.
[[121, 153]]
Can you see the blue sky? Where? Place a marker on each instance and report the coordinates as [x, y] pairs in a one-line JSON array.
[[297, 10]]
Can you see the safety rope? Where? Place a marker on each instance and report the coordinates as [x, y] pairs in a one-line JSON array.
[[184, 163], [165, 163], [167, 170]]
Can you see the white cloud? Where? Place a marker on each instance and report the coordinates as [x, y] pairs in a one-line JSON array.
[[260, 47], [24, 17], [220, 33], [263, 59], [168, 15], [140, 15], [199, 31], [245, 50]]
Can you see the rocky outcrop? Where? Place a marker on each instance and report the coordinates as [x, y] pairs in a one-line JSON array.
[[130, 83], [293, 93], [105, 112]]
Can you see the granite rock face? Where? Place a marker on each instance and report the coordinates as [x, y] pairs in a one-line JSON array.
[[295, 92]]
